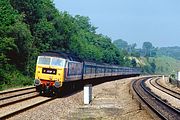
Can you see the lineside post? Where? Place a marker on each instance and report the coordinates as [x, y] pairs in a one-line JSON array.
[[178, 78], [178, 75], [87, 94], [163, 77]]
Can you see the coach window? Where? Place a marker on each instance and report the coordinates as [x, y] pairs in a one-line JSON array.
[[93, 69]]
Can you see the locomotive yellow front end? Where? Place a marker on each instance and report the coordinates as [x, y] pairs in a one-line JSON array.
[[49, 75]]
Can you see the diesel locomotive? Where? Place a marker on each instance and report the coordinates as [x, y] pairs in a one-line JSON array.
[[53, 69]]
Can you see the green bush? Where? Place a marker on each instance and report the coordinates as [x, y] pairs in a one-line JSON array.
[[14, 78]]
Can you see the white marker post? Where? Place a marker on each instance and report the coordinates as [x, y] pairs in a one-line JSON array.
[[163, 77], [178, 75], [87, 94]]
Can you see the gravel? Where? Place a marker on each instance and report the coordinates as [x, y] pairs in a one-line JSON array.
[[111, 100]]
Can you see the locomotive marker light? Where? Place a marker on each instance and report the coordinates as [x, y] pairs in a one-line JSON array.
[[87, 94]]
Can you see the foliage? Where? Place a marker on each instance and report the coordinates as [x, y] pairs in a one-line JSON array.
[[173, 76], [129, 49], [170, 51], [133, 62], [121, 44], [148, 50], [160, 65], [13, 78], [29, 27]]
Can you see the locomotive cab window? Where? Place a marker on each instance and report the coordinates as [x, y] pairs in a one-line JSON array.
[[57, 62], [44, 60]]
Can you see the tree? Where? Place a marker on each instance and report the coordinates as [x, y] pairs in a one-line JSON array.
[[153, 67], [121, 44], [29, 27], [147, 47], [133, 62]]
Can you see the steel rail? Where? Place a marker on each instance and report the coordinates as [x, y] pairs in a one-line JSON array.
[[156, 81], [158, 106], [26, 108], [17, 95], [20, 89], [165, 90], [17, 101], [135, 88]]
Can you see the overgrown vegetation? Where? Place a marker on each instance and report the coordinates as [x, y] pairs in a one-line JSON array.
[[29, 27]]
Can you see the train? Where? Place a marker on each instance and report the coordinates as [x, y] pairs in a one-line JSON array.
[[54, 69]]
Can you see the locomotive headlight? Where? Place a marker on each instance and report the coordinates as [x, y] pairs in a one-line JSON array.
[[37, 82], [57, 84]]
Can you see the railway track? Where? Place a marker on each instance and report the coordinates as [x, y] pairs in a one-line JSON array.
[[16, 90], [16, 93], [14, 109], [158, 82], [150, 101], [164, 89], [16, 101]]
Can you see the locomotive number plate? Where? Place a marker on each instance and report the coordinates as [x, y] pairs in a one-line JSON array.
[[49, 71]]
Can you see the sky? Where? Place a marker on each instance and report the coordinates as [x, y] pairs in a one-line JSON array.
[[135, 21]]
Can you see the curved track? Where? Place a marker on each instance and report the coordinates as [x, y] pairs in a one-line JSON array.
[[164, 89], [152, 102]]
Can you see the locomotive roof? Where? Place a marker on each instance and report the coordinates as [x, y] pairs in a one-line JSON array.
[[61, 55]]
